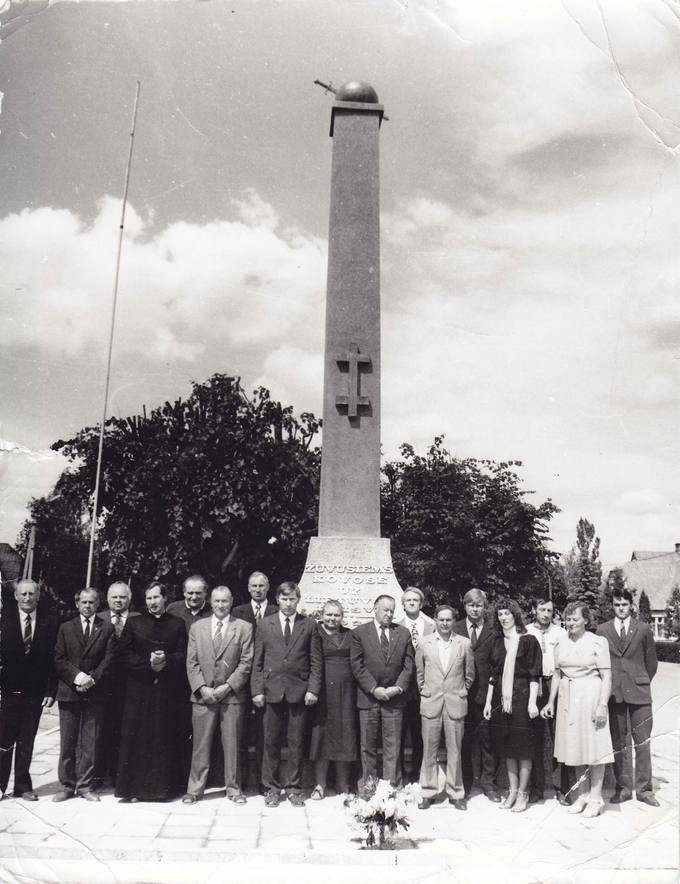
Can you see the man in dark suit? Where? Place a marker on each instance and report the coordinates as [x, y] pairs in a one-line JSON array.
[[82, 656], [253, 612], [286, 679], [28, 683], [219, 662], [476, 735], [118, 598], [634, 665], [382, 660], [194, 605]]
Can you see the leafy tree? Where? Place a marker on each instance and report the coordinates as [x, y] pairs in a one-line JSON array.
[[644, 608], [673, 614], [615, 582], [218, 483], [455, 524], [583, 566]]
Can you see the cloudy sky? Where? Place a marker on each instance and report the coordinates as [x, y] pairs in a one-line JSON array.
[[530, 216]]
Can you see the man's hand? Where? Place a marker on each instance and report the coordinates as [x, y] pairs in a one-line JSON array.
[[548, 711], [310, 698], [83, 680], [221, 692], [207, 694], [48, 702], [258, 701], [487, 711], [158, 666], [381, 694], [392, 692]]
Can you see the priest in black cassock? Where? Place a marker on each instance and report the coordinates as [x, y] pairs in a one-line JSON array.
[[153, 651]]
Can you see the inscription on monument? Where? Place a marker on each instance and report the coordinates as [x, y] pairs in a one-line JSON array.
[[354, 400]]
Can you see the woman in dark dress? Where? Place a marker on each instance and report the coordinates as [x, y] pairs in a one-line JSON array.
[[153, 652], [516, 668], [334, 723]]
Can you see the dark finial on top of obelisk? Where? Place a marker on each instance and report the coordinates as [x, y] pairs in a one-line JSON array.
[[357, 90]]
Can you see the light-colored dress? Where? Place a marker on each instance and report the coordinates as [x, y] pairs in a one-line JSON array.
[[577, 740]]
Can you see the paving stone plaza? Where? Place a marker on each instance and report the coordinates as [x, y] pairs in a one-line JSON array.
[[78, 842]]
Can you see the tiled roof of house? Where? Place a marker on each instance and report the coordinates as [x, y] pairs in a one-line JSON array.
[[656, 573]]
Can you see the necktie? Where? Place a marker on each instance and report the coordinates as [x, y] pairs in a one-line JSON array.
[[28, 637], [414, 635], [286, 631], [623, 633], [118, 624], [384, 642], [258, 611], [217, 638], [86, 633], [473, 636]]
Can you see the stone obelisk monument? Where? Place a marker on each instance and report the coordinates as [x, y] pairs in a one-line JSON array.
[[349, 560]]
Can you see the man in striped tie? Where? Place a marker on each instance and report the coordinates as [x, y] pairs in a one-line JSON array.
[[28, 683]]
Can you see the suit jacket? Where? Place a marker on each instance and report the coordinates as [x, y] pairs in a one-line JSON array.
[[72, 655], [245, 612], [634, 665], [371, 670], [287, 673], [106, 617], [179, 609], [441, 689], [29, 676], [482, 652], [231, 664]]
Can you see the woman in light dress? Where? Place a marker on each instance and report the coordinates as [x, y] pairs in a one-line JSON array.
[[582, 684]]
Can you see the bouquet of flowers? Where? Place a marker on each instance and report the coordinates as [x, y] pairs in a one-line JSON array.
[[383, 809]]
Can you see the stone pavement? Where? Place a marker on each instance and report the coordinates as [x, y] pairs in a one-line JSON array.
[[214, 840]]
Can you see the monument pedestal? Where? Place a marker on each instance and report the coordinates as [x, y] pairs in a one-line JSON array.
[[353, 570]]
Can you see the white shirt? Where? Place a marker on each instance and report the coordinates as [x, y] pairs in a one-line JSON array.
[[619, 624], [478, 627], [548, 639], [213, 625], [419, 624], [115, 615], [444, 647], [31, 617], [84, 620], [282, 621], [378, 627], [263, 607]]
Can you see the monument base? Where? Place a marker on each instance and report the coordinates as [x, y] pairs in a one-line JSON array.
[[352, 570]]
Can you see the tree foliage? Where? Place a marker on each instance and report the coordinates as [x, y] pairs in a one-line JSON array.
[[673, 614], [583, 567], [218, 483], [455, 524], [644, 608]]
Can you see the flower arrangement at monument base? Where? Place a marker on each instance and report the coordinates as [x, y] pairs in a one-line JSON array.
[[382, 810]]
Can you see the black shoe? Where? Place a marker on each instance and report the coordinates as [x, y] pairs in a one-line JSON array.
[[189, 799], [648, 798], [424, 804], [272, 799], [535, 797], [64, 795], [564, 800], [296, 799], [492, 794], [28, 796], [620, 797], [458, 803], [237, 798], [89, 796]]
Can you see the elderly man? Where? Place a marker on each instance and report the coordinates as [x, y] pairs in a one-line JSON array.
[[258, 606], [118, 597], [286, 679], [476, 735], [445, 669], [82, 657], [194, 606], [381, 656], [219, 661], [27, 683], [419, 625], [634, 664]]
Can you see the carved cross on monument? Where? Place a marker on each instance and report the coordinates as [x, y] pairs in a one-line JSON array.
[[352, 402]]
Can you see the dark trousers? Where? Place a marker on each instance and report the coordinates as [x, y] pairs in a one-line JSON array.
[[544, 731], [635, 720], [477, 739], [107, 757], [254, 736], [293, 718], [19, 720], [80, 726], [371, 721], [412, 726]]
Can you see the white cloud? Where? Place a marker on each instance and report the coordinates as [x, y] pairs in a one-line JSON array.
[[24, 473]]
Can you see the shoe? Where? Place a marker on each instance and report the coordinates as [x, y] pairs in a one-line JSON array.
[[424, 804], [620, 797], [644, 797], [468, 796], [296, 799], [594, 807], [492, 795], [189, 799], [564, 800], [458, 803], [521, 803], [272, 799], [64, 795], [89, 796], [508, 801], [317, 793], [28, 796], [579, 804], [535, 797]]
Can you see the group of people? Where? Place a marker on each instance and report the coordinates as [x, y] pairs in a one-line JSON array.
[[144, 698]]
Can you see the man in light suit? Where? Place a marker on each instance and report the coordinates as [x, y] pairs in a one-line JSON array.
[[381, 656], [477, 737], [419, 625], [286, 679], [634, 665], [219, 661], [445, 670], [28, 683], [118, 598], [82, 657]]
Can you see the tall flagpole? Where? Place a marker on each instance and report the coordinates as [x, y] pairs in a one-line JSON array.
[[93, 526]]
